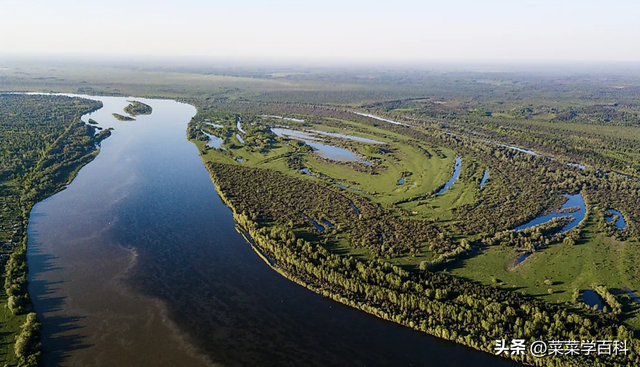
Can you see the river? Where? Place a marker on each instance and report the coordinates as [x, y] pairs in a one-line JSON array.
[[138, 263]]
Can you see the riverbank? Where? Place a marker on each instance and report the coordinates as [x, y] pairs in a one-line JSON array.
[[147, 269], [85, 253], [51, 172], [425, 301]]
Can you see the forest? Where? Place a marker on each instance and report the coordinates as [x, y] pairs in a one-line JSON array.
[[280, 189], [372, 231], [44, 144], [432, 302]]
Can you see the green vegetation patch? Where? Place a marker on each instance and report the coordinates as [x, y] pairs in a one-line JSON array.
[[122, 117], [46, 144], [136, 108]]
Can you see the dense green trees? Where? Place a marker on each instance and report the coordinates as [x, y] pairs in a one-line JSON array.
[[270, 196], [29, 124], [27, 347], [522, 186], [436, 303], [44, 143]]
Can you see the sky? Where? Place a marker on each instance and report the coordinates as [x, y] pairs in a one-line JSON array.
[[347, 30]]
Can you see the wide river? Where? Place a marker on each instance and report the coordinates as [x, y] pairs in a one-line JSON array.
[[137, 263]]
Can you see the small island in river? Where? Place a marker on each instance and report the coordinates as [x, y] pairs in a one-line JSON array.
[[136, 108], [122, 117]]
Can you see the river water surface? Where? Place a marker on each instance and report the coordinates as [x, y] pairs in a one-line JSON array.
[[138, 263]]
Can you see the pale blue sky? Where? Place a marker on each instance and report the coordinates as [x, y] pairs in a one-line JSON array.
[[349, 30]]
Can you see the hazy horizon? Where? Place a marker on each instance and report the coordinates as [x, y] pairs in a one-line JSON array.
[[356, 31]]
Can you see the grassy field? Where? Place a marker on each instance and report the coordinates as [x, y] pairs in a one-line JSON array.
[[595, 259], [423, 173], [481, 105]]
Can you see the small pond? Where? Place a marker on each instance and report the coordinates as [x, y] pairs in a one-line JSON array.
[[345, 136], [591, 298], [213, 124], [522, 257], [329, 224], [239, 138], [323, 150], [214, 141], [620, 223], [307, 172]]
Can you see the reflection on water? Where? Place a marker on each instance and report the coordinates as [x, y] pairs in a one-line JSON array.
[[348, 137], [86, 243], [634, 297], [307, 172], [329, 224], [294, 134], [312, 135], [214, 141], [591, 299], [456, 173], [213, 124], [315, 224], [323, 150], [620, 223], [137, 263], [334, 153], [572, 201]]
